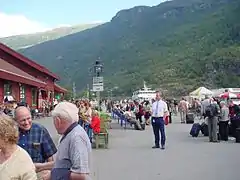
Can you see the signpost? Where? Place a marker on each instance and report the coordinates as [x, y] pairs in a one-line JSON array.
[[98, 84], [98, 80]]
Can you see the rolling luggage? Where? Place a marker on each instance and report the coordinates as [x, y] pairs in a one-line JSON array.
[[204, 129], [143, 125], [194, 132], [237, 135], [190, 118]]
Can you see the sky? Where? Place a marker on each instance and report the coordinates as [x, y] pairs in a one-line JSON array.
[[29, 16]]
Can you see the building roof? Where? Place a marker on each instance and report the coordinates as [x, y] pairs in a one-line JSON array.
[[12, 73], [26, 60], [59, 89]]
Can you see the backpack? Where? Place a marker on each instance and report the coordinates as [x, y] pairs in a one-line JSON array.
[[141, 111], [211, 110], [136, 109], [175, 102], [127, 108], [132, 108]]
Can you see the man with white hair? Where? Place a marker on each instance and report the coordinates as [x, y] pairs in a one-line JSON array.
[[73, 156]]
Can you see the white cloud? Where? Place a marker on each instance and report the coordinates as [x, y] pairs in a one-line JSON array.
[[63, 25], [96, 22], [18, 24]]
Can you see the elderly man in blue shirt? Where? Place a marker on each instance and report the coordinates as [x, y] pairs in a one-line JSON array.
[[33, 137]]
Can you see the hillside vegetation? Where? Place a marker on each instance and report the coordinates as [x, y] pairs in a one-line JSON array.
[[177, 46], [24, 41]]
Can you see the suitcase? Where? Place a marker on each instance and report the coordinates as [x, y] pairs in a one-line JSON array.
[[204, 129], [143, 125], [237, 135], [194, 132], [137, 126], [218, 136], [190, 118]]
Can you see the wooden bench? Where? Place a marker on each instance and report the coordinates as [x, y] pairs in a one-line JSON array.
[[103, 137]]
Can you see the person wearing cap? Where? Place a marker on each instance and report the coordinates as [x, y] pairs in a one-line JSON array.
[[74, 150], [159, 113]]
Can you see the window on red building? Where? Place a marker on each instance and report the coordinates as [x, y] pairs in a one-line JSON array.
[[7, 88], [22, 93], [34, 96]]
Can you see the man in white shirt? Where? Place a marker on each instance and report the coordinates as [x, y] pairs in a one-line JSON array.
[[159, 113]]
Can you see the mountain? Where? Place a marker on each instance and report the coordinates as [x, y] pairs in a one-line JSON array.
[[177, 46], [24, 41]]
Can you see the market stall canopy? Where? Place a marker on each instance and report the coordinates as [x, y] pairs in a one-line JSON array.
[[201, 91], [228, 95], [236, 101]]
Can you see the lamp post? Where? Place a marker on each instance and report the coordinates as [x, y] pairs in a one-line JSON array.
[[98, 79]]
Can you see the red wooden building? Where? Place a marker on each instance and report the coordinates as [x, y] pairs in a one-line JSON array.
[[25, 80]]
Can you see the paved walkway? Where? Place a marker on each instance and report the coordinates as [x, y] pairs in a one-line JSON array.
[[130, 156]]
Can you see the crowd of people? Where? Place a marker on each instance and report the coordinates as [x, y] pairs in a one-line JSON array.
[[215, 117], [23, 141], [8, 108], [221, 117], [143, 112], [28, 145], [89, 117]]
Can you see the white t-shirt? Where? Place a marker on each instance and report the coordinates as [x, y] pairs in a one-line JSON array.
[[159, 108]]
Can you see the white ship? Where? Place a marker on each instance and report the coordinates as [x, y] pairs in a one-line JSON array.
[[144, 94]]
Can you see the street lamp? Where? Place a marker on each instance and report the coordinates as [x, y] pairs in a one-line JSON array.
[[98, 68]]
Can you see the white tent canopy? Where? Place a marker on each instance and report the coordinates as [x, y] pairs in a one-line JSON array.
[[201, 91]]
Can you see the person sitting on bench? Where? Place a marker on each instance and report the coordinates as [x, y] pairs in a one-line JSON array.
[[132, 120]]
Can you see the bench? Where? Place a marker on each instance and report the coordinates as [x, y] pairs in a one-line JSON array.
[[102, 138], [121, 118]]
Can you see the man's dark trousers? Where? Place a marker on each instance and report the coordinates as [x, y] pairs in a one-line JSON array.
[[158, 125]]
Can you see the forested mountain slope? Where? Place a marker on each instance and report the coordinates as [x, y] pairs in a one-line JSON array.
[[177, 45]]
